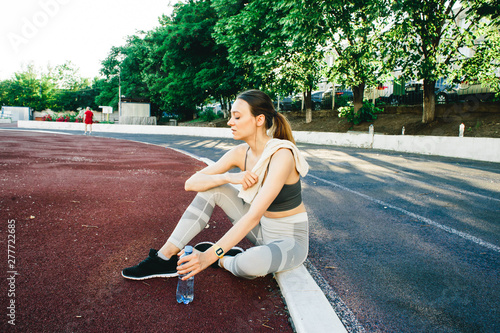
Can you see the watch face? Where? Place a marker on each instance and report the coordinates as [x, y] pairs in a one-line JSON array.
[[219, 251]]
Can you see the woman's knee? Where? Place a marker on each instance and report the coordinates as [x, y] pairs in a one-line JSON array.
[[255, 262]]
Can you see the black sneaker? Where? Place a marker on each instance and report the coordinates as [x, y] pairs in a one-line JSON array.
[[151, 267], [203, 246]]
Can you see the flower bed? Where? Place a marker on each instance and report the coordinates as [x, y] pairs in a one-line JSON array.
[[66, 118], [47, 118], [63, 119]]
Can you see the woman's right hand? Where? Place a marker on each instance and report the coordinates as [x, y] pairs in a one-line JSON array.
[[246, 179]]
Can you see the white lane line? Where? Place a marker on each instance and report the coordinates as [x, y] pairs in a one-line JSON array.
[[205, 160], [31, 130], [418, 217]]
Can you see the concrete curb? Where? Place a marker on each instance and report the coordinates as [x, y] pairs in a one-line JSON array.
[[308, 306], [479, 149]]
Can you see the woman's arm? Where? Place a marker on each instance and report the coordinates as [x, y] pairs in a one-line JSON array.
[[217, 174], [280, 167]]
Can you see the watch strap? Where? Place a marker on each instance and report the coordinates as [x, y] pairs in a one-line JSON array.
[[218, 251]]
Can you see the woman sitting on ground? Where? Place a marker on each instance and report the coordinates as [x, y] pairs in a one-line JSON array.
[[268, 209]]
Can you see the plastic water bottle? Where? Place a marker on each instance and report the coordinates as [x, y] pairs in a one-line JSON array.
[[185, 288]]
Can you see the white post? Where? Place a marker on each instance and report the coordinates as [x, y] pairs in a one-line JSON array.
[[461, 130], [371, 131], [119, 94]]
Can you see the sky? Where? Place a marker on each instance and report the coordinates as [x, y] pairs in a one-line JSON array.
[[52, 32]]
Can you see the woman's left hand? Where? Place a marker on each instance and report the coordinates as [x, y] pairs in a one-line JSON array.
[[192, 264]]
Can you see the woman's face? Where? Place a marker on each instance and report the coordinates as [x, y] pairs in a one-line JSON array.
[[243, 123]]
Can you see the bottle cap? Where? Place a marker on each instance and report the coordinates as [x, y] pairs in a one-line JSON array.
[[188, 249]]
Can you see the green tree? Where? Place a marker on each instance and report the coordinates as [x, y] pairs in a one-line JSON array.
[[108, 85], [73, 91], [123, 69], [195, 66], [4, 92], [183, 49], [30, 88], [68, 77], [60, 88], [353, 31], [427, 38], [73, 100], [131, 68], [177, 66], [271, 40], [484, 64], [153, 70]]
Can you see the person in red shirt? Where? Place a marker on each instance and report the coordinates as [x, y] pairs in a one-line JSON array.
[[88, 116]]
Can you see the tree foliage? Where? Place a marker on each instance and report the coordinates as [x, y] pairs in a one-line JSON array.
[[187, 45], [483, 66], [427, 39], [177, 66], [271, 40], [209, 50], [59, 89], [196, 67], [353, 36]]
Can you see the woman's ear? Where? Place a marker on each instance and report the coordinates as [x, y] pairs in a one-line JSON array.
[[261, 120]]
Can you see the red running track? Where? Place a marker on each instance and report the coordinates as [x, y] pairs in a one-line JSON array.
[[83, 208]]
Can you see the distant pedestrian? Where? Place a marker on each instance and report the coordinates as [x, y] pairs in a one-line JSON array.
[[88, 116], [268, 209]]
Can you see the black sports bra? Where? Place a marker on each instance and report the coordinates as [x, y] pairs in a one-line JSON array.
[[289, 197]]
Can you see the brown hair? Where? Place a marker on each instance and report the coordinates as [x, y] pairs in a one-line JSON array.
[[261, 103]]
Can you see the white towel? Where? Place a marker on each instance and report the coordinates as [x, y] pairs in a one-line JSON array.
[[261, 166]]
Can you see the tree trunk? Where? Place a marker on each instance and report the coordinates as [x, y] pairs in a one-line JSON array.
[[429, 112], [357, 97], [223, 107], [308, 105], [333, 96]]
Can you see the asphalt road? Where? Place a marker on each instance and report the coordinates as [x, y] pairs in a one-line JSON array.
[[399, 242]]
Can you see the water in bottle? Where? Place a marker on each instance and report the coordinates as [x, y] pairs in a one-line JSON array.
[[185, 289]]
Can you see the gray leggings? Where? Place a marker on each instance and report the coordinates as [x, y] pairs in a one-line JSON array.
[[281, 243]]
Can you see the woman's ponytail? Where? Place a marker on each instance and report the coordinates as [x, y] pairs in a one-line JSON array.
[[281, 128]]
